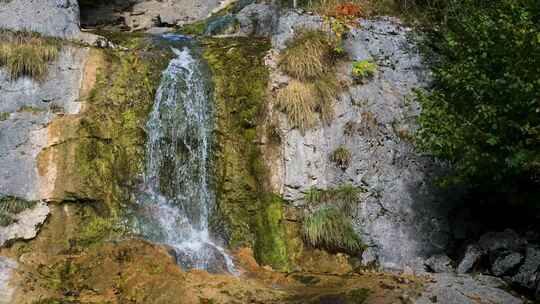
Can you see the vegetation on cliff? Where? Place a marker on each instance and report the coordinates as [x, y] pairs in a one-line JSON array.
[[251, 216], [27, 54], [483, 112]]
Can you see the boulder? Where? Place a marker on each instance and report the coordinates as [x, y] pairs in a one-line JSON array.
[[440, 263], [472, 257], [529, 272], [27, 224], [508, 240], [466, 289], [58, 18], [504, 264], [258, 20]]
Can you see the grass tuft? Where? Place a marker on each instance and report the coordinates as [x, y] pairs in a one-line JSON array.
[[341, 157], [299, 101], [27, 54], [329, 228], [309, 55]]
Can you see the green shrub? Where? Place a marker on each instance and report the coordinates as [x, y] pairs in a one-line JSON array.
[[363, 69], [482, 113], [27, 54], [341, 157], [309, 55], [329, 228]]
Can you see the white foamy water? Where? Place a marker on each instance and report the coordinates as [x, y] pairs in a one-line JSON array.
[[177, 198]]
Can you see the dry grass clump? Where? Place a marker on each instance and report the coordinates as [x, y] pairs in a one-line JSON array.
[[298, 100], [27, 54], [309, 55]]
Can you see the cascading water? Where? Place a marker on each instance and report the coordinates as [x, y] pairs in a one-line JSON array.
[[177, 198]]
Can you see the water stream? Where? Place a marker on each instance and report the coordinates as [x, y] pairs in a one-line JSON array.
[[177, 197]]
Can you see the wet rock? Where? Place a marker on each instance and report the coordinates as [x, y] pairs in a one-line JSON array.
[[529, 273], [466, 289], [204, 256], [440, 264], [507, 240], [504, 264], [59, 18], [26, 225], [472, 257], [222, 25], [258, 20], [6, 290]]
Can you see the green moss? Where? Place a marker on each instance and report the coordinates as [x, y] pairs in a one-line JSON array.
[[251, 217], [270, 241]]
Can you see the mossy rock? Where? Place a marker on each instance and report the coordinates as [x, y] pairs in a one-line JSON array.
[[251, 216]]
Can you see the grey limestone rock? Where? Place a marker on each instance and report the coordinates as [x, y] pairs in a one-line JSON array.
[[502, 265], [466, 289], [258, 20], [505, 240], [6, 290], [528, 274], [472, 256], [402, 216], [58, 18], [440, 263], [27, 224]]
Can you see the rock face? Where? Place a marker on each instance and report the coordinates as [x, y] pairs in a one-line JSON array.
[[59, 18], [452, 289], [401, 216], [144, 14], [29, 106], [6, 291]]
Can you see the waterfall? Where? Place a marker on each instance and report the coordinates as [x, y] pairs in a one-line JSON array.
[[177, 199]]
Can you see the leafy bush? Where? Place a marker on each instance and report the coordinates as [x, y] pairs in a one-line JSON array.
[[363, 69], [329, 228], [341, 157], [309, 55], [27, 54], [483, 113]]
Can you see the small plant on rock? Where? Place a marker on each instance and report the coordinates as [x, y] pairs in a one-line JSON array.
[[341, 157], [308, 55], [362, 70]]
